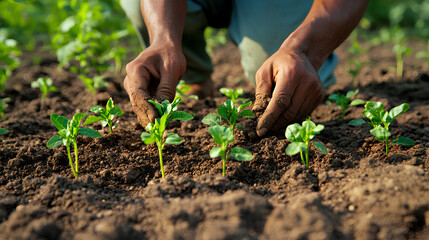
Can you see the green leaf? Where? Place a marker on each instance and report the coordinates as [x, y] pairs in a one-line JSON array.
[[407, 142], [242, 106], [350, 94], [295, 147], [215, 152], [147, 138], [109, 105], [396, 111], [380, 133], [75, 122], [293, 132], [356, 122], [223, 111], [89, 132], [92, 119], [221, 134], [158, 106], [60, 122], [173, 138], [318, 129], [357, 102], [97, 109], [240, 154], [116, 111], [55, 141], [181, 116], [3, 131], [321, 147], [212, 119], [335, 97], [246, 113]]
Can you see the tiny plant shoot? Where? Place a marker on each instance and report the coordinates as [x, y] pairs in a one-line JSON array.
[[45, 86], [380, 120], [68, 131], [400, 51], [3, 106], [343, 102], [155, 131], [182, 88], [106, 115], [300, 137], [354, 63], [229, 110], [92, 84], [424, 54], [223, 136]]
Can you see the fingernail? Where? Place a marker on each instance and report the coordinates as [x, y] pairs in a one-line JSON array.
[[261, 132]]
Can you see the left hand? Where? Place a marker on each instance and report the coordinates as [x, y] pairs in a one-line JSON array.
[[292, 83]]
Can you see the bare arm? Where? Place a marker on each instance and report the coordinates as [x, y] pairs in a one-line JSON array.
[[289, 77], [158, 68]]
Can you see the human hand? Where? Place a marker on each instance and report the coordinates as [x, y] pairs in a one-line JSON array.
[[291, 86], [153, 74]]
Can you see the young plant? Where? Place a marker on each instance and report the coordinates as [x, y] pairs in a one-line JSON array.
[[45, 86], [92, 84], [300, 137], [68, 131], [3, 131], [8, 59], [343, 102], [234, 94], [3, 106], [155, 131], [400, 51], [106, 115], [223, 136], [424, 54], [354, 63], [182, 88], [380, 120]]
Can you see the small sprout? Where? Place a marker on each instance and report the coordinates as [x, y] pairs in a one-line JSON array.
[[424, 54], [45, 86], [3, 106], [223, 136], [92, 84], [68, 131], [3, 131], [182, 88], [155, 131], [300, 137], [380, 120], [106, 115], [343, 102], [400, 51], [354, 63], [229, 111]]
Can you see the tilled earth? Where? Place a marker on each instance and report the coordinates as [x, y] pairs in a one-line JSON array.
[[356, 191]]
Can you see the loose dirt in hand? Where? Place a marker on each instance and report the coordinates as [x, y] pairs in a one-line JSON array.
[[356, 191]]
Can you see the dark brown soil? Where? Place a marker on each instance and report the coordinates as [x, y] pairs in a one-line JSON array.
[[356, 191]]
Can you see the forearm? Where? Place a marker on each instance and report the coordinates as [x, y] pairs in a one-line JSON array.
[[164, 20], [326, 26]]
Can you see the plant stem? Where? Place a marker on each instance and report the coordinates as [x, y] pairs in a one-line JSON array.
[[2, 116], [224, 165], [71, 162], [110, 127], [75, 156], [302, 158], [306, 158], [399, 66], [387, 144], [160, 160]]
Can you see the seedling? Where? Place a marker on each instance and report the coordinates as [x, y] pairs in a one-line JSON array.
[[68, 131], [106, 115], [229, 110], [354, 63], [92, 84], [3, 106], [424, 54], [343, 102], [3, 131], [234, 94], [400, 51], [223, 136], [45, 86], [300, 137], [380, 120], [155, 131], [182, 88], [8, 59]]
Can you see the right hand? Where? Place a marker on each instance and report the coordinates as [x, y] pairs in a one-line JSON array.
[[153, 74]]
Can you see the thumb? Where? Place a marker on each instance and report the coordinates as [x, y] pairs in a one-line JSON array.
[[167, 86]]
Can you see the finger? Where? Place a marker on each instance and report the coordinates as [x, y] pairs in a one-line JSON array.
[[282, 95], [264, 86], [167, 86]]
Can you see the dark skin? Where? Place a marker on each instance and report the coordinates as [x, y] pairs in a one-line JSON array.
[[288, 79]]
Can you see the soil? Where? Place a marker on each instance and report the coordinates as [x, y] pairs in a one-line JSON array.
[[355, 191]]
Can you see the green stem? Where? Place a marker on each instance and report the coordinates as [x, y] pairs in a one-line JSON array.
[[386, 140], [399, 67], [223, 160], [302, 158], [75, 155], [2, 116], [110, 127], [71, 162], [160, 160], [306, 155]]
